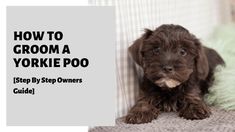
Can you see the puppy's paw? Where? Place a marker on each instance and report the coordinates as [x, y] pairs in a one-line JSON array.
[[195, 112], [138, 116]]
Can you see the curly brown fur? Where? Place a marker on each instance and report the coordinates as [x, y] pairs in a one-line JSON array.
[[178, 71]]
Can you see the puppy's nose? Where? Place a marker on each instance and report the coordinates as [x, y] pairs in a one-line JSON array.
[[168, 68]]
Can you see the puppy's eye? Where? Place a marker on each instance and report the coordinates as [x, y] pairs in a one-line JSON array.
[[156, 50], [183, 52]]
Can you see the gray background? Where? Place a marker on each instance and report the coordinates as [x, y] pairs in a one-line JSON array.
[[90, 33]]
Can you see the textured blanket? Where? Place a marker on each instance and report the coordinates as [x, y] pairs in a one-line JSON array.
[[219, 121]]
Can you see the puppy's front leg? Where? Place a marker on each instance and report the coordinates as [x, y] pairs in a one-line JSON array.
[[142, 112], [194, 107]]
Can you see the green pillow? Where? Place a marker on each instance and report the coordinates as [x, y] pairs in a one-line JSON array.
[[222, 93]]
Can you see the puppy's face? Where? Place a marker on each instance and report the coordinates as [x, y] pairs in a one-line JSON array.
[[168, 62], [169, 55]]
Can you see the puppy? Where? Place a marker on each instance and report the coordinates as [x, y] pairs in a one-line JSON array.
[[178, 70]]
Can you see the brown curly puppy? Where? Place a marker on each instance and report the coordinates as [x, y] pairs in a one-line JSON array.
[[178, 71]]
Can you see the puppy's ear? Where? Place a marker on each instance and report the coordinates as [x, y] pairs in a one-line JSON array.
[[202, 65], [135, 48]]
